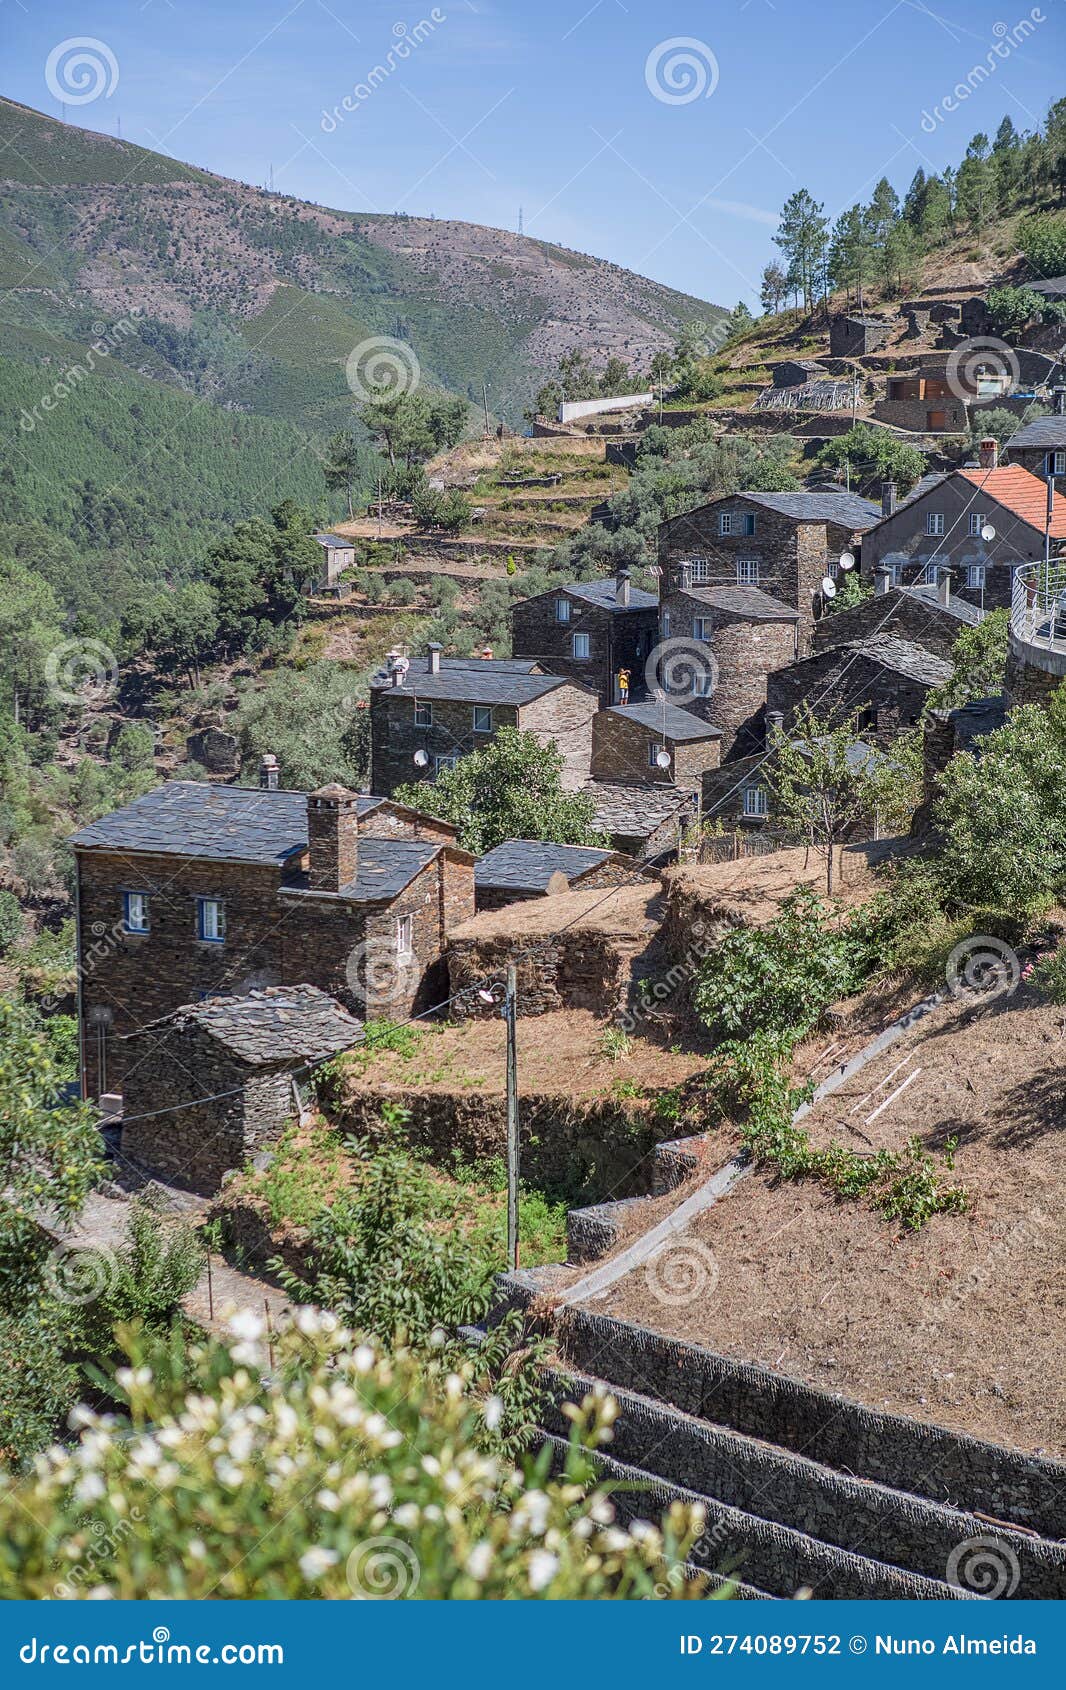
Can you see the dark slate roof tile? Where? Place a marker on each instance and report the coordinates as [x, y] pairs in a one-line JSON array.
[[527, 865], [1042, 431], [473, 680], [186, 818], [634, 811], [282, 1026], [751, 602], [666, 719], [604, 595]]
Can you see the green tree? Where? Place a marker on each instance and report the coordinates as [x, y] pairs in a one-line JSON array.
[[740, 321], [873, 456], [510, 789], [316, 723], [803, 238], [976, 188], [31, 626], [851, 254], [342, 466], [773, 290], [1042, 239], [978, 658], [900, 258]]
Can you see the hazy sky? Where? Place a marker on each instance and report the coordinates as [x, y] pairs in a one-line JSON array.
[[664, 136]]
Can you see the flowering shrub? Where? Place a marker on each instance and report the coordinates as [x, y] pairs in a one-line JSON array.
[[308, 1464]]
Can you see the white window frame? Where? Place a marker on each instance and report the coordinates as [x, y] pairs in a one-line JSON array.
[[443, 761], [975, 575], [130, 901], [665, 621], [423, 713], [1058, 463], [699, 570], [897, 574], [562, 609], [211, 929], [701, 626], [482, 718], [703, 685], [579, 646], [934, 524], [404, 935], [654, 748], [747, 572], [725, 522], [977, 522], [744, 522], [931, 573], [756, 802]]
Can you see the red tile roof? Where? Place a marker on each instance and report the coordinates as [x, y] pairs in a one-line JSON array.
[[1024, 494]]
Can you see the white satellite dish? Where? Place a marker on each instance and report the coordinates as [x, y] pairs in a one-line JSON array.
[[421, 759], [987, 531], [829, 587], [847, 560], [663, 758]]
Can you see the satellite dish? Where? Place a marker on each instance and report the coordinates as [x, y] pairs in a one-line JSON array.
[[829, 587], [847, 560], [987, 531], [663, 758], [421, 759]]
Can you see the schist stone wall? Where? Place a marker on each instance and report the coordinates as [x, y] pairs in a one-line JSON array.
[[623, 749], [196, 1146], [616, 640], [575, 969], [888, 702], [564, 714], [1031, 678], [745, 652], [918, 620]]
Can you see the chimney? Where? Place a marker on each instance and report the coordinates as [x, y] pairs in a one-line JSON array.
[[621, 591], [433, 651], [943, 586], [883, 575], [988, 454], [332, 837], [1058, 401], [268, 772], [775, 723], [888, 498]]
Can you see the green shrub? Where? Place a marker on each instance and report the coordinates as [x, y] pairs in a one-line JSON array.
[[12, 920], [37, 1385], [1049, 976], [148, 1275]]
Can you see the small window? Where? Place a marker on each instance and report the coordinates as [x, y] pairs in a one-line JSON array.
[[580, 645], [747, 572], [423, 715], [562, 610], [930, 575], [975, 574], [736, 522], [934, 523], [135, 912], [896, 574], [442, 763], [1057, 463], [977, 522], [756, 802], [701, 627], [699, 569], [702, 685], [482, 719], [211, 920], [653, 754], [665, 621], [725, 522], [403, 935]]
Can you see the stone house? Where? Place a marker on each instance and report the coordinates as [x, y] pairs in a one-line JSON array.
[[587, 631], [924, 401], [796, 372], [942, 526], [196, 891], [427, 712], [213, 1083], [535, 868], [628, 741], [644, 820], [857, 337], [738, 795], [932, 617], [885, 679], [1040, 446], [337, 555]]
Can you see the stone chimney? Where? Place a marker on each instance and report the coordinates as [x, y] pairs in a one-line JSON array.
[[332, 837], [883, 579], [268, 772], [988, 454], [621, 591], [943, 586], [888, 498], [433, 651], [775, 724]]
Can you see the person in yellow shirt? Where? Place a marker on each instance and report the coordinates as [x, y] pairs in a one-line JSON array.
[[623, 686]]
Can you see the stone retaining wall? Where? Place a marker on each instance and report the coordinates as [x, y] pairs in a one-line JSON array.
[[575, 969]]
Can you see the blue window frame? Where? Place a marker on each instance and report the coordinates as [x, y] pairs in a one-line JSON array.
[[135, 912], [211, 920]]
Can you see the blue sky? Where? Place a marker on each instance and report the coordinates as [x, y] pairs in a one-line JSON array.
[[556, 106]]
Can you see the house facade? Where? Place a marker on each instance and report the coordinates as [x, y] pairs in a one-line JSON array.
[[587, 631], [336, 555], [196, 891], [1040, 446], [885, 680], [654, 742], [427, 712]]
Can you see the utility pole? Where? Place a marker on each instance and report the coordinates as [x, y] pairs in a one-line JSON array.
[[511, 1017], [485, 402]]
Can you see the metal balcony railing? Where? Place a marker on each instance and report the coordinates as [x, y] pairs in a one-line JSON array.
[[1038, 605]]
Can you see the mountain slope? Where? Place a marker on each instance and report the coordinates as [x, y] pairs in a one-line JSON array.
[[255, 300]]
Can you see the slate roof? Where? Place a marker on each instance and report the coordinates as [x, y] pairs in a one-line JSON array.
[[187, 818], [961, 609], [604, 595], [280, 1027], [1042, 431], [1053, 286], [847, 510], [751, 602], [473, 680], [333, 542], [633, 811], [527, 865], [903, 656], [666, 719]]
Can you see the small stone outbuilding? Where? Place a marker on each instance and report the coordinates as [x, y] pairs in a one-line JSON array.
[[519, 869], [215, 1082]]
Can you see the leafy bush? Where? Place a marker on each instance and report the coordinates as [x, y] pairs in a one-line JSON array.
[[1042, 238], [314, 726], [149, 1274], [1049, 976], [37, 1385], [320, 1468], [12, 920], [1012, 308]]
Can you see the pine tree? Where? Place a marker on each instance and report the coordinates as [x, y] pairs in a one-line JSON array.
[[803, 238], [774, 289]]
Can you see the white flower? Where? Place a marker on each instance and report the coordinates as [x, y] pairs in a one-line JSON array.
[[380, 1490], [493, 1412], [407, 1515], [363, 1359], [542, 1569], [247, 1325], [315, 1562], [329, 1500], [531, 1514], [479, 1561], [90, 1488], [601, 1511]]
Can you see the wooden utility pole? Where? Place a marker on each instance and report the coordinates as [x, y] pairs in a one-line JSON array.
[[511, 1017], [485, 402]]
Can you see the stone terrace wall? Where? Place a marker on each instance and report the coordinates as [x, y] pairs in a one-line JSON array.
[[569, 970]]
